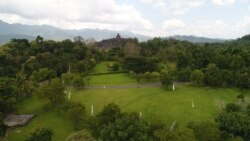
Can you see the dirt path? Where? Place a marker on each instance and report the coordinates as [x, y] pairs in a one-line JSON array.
[[144, 85]]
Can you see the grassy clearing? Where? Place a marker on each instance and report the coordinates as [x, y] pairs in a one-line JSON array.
[[46, 117], [111, 79], [102, 67], [161, 104]]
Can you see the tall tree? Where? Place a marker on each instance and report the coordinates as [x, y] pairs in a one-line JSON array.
[[40, 134], [53, 91]]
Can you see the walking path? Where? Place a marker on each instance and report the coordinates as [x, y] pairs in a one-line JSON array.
[[144, 85]]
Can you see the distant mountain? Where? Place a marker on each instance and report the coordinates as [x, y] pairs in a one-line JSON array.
[[195, 39], [9, 31], [6, 38], [244, 38]]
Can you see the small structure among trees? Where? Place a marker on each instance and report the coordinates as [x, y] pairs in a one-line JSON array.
[[17, 120]]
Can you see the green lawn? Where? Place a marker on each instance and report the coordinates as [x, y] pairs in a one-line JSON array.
[[111, 79], [102, 67], [161, 104], [46, 117]]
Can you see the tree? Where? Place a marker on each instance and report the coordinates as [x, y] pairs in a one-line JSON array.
[[78, 81], [40, 134], [228, 78], [138, 77], [131, 49], [182, 62], [231, 107], [53, 91], [128, 127], [8, 94], [108, 115], [204, 131], [78, 40], [243, 81], [80, 136], [184, 74], [166, 79], [182, 134], [39, 39], [43, 75], [140, 64], [67, 78], [77, 113], [115, 67], [147, 76], [197, 76], [248, 109], [234, 123], [3, 128], [213, 75]]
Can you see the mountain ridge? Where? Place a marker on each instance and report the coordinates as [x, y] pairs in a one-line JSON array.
[[17, 30]]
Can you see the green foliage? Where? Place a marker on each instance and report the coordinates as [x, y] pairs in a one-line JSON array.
[[3, 128], [182, 62], [77, 114], [235, 123], [197, 76], [40, 134], [43, 74], [140, 64], [184, 74], [205, 131], [53, 91], [108, 115], [231, 107], [213, 75], [8, 93], [182, 134], [128, 127], [166, 79], [248, 109], [138, 77], [72, 79], [243, 81], [80, 136], [78, 82]]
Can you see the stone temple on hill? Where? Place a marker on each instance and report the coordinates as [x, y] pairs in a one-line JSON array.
[[111, 43]]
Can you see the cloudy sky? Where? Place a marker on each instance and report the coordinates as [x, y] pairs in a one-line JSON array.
[[209, 18]]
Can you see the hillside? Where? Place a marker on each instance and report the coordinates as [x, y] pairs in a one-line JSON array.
[[9, 31]]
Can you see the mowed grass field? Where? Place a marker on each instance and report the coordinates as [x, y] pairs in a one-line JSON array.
[[155, 103], [109, 79], [161, 104]]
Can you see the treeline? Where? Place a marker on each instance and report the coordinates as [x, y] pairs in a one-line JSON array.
[[216, 64]]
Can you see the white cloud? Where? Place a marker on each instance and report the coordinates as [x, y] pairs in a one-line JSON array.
[[176, 7], [75, 14], [173, 24], [223, 2], [213, 29]]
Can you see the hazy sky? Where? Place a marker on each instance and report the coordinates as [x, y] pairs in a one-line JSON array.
[[210, 18]]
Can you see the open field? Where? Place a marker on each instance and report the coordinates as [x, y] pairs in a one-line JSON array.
[[102, 67], [111, 79], [161, 104], [155, 103]]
